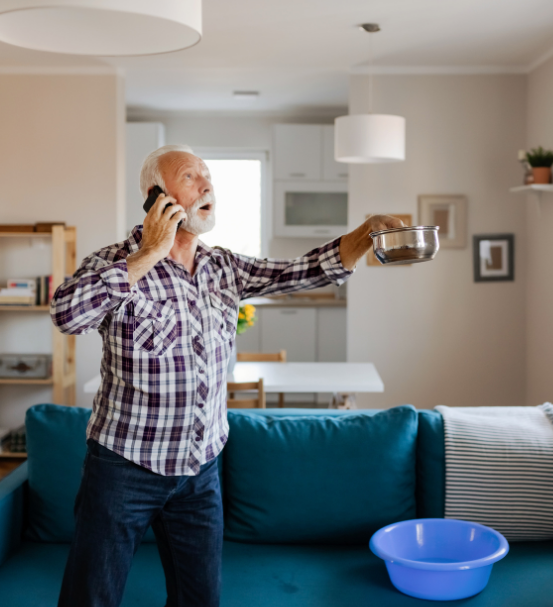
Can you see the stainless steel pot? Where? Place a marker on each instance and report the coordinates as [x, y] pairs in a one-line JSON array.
[[406, 245]]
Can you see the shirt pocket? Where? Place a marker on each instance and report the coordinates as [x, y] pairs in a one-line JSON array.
[[223, 318], [155, 326]]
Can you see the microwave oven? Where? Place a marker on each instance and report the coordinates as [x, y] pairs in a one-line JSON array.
[[312, 209]]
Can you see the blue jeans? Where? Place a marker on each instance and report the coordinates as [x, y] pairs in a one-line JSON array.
[[116, 503]]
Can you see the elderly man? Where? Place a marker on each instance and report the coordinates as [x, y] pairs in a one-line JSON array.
[[166, 307]]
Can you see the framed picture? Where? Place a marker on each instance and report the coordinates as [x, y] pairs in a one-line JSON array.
[[494, 257], [407, 220], [450, 214]]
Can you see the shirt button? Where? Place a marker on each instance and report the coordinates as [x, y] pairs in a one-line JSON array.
[[200, 405], [201, 371], [198, 438], [192, 302]]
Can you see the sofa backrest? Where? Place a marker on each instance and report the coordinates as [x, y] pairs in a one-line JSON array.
[[358, 467], [329, 477]]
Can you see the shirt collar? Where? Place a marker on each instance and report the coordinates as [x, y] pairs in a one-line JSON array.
[[203, 252]]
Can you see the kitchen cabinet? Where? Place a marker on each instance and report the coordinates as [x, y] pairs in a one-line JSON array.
[[307, 334], [306, 152], [332, 170], [291, 329], [331, 335], [297, 151], [141, 139]]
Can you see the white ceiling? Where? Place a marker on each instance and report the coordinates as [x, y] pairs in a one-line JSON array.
[[298, 53]]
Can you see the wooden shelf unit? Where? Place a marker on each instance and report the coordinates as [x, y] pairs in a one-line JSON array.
[[64, 260]]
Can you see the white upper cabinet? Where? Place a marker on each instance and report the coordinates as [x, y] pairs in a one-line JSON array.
[[306, 152], [298, 152], [332, 170]]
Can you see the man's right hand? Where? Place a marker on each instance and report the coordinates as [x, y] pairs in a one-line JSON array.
[[158, 236], [160, 227]]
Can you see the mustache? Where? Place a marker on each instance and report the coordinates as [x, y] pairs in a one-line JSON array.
[[205, 199]]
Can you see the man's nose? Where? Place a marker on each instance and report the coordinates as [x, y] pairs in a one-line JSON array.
[[206, 186]]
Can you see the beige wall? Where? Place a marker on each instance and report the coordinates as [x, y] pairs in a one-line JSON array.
[[539, 216], [435, 336], [61, 158]]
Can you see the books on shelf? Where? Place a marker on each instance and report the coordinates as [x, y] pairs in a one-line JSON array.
[[27, 291], [17, 296]]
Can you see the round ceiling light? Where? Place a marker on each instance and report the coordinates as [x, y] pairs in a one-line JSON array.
[[101, 27]]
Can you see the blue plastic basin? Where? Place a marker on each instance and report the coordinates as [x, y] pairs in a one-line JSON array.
[[439, 559]]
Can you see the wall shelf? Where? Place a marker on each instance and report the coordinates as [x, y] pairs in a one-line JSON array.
[[64, 242], [14, 380], [16, 308], [534, 188]]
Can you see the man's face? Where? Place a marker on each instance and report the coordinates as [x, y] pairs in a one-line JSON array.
[[188, 180]]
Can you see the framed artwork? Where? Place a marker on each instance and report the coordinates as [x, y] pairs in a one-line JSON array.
[[407, 220], [450, 214], [494, 257]]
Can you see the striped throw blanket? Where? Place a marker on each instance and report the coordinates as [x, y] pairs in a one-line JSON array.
[[499, 468]]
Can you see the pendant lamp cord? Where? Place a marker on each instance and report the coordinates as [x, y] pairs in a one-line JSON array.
[[370, 73]]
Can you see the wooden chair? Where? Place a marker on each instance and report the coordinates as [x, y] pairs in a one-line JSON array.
[[246, 403], [257, 357]]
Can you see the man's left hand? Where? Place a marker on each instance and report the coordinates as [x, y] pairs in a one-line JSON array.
[[355, 244]]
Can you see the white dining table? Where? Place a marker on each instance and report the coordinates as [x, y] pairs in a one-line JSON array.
[[311, 377]]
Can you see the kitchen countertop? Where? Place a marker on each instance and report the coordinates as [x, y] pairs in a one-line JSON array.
[[296, 301]]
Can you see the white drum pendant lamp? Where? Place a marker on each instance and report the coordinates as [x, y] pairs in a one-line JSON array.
[[369, 138], [101, 27]]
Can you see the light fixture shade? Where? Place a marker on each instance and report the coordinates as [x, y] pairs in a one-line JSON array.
[[101, 27], [364, 138]]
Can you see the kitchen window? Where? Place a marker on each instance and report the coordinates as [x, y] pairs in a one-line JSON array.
[[239, 184]]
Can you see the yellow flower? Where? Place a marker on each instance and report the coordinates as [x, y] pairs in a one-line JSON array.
[[241, 315]]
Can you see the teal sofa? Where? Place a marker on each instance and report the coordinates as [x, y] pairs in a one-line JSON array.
[[303, 492]]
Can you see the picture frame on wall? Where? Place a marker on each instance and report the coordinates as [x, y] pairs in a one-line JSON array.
[[407, 219], [494, 257], [450, 213]]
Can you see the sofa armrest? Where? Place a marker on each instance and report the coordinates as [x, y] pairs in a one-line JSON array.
[[12, 489]]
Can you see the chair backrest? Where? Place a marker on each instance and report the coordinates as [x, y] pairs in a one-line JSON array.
[[261, 357], [246, 403]]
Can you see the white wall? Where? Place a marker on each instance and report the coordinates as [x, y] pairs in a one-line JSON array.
[[539, 292], [435, 336], [61, 158]]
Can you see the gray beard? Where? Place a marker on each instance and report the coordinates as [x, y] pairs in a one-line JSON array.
[[193, 223]]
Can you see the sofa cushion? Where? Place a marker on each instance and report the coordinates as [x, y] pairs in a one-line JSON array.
[[430, 465], [56, 444], [322, 478]]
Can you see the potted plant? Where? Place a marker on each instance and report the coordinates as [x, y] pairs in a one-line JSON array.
[[246, 319], [540, 160]]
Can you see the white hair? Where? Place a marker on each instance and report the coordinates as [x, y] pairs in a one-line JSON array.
[[150, 175]]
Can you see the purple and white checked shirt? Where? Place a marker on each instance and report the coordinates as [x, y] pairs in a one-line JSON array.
[[167, 341]]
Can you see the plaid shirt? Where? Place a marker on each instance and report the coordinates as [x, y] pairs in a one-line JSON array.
[[167, 341]]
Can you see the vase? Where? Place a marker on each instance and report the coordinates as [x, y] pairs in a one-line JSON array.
[[232, 360], [541, 174]]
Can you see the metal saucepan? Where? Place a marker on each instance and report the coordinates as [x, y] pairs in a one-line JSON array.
[[406, 245]]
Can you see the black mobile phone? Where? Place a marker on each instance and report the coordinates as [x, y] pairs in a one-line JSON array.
[[153, 195]]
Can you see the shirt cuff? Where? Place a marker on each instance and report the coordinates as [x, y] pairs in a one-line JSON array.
[[331, 263], [116, 280]]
